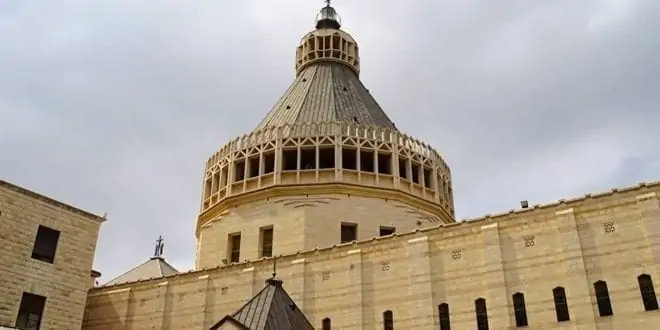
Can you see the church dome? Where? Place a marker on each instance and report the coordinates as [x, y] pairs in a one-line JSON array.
[[328, 136]]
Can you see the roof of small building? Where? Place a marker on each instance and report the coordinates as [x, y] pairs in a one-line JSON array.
[[270, 309], [155, 267], [324, 92]]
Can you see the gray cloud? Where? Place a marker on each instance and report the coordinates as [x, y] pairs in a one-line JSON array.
[[115, 107]]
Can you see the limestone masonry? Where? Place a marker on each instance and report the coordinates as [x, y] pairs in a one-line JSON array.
[[361, 219]]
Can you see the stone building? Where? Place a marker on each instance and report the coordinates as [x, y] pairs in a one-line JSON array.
[[46, 263], [361, 217]]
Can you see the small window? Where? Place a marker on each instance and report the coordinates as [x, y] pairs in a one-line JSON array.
[[239, 170], [648, 292], [520, 310], [443, 315], [30, 311], [348, 232], [366, 161], [384, 163], [388, 320], [267, 242], [561, 304], [385, 231], [234, 248], [45, 244], [349, 158], [327, 324], [481, 312], [403, 170], [603, 299], [327, 157], [289, 159]]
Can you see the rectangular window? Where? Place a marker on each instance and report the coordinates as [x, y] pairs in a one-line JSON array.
[[45, 244], [267, 242], [30, 311], [235, 247], [385, 231], [603, 299], [443, 314], [348, 232]]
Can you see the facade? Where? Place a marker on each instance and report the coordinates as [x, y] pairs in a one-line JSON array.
[[361, 217], [47, 254]]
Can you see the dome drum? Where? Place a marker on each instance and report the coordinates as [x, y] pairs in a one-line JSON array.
[[310, 154]]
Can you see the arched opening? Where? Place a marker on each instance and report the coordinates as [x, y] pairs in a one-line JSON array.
[[648, 292], [443, 315], [561, 304], [603, 299], [481, 312], [520, 311], [388, 320]]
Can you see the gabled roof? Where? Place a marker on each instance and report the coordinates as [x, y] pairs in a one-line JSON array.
[[327, 92], [155, 267], [270, 309]]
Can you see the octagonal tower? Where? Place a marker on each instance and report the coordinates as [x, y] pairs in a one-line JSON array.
[[325, 166]]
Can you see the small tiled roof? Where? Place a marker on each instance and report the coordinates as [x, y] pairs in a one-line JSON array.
[[155, 267], [270, 309], [326, 92]]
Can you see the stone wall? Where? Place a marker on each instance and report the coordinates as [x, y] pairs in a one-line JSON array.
[[65, 282], [571, 244], [302, 223]]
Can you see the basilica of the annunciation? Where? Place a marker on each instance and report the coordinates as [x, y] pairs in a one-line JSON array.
[[326, 216]]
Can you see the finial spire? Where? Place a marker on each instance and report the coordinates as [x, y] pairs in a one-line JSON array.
[[327, 3], [158, 252], [275, 257]]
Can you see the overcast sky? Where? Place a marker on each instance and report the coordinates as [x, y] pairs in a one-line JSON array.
[[115, 105]]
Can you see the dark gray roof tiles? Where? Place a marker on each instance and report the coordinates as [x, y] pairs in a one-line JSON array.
[[326, 92], [270, 309]]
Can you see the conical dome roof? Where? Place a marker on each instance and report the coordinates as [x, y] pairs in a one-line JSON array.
[[327, 87]]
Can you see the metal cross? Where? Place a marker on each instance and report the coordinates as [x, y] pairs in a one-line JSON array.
[[327, 3]]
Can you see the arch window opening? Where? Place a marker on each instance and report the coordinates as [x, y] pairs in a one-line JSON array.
[[443, 315], [414, 167], [520, 311], [648, 292], [603, 299], [388, 320], [326, 324], [561, 304], [481, 312]]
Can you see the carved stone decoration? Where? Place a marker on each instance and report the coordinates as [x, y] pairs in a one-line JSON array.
[[325, 276], [609, 227], [224, 290], [456, 254], [385, 266], [530, 241]]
